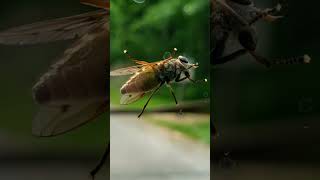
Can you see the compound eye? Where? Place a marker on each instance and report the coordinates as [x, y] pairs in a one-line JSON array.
[[183, 59]]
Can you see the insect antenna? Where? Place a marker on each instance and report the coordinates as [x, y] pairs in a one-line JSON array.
[[174, 51], [128, 55]]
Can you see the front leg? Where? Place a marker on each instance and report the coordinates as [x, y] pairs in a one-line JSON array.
[[269, 14], [104, 158], [230, 57], [178, 79], [187, 74], [172, 92], [248, 39]]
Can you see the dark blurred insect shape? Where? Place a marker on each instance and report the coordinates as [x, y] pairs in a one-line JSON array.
[[235, 19], [227, 162], [74, 90], [150, 76]]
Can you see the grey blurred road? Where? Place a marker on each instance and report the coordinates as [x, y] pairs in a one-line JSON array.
[[140, 151]]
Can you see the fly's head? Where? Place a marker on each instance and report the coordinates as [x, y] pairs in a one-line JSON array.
[[185, 64]]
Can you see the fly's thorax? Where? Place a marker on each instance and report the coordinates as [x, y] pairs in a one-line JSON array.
[[168, 70]]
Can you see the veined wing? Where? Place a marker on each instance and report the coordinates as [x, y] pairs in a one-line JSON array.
[[55, 120], [143, 62], [131, 97], [126, 71], [53, 30], [133, 69], [224, 4], [97, 3], [74, 90]]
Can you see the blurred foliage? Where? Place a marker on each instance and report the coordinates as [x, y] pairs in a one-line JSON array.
[[198, 130], [148, 30]]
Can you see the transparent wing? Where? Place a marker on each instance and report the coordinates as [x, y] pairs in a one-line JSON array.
[[126, 71], [97, 3], [52, 121], [131, 97], [142, 62], [53, 30]]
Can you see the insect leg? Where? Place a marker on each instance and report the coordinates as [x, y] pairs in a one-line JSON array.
[[248, 39], [230, 57], [102, 161], [144, 107], [218, 42], [178, 78], [187, 74], [260, 59], [305, 59], [172, 92], [268, 14]]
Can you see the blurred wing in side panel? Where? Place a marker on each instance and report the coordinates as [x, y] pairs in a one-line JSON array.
[[52, 121], [53, 30], [97, 3], [225, 6]]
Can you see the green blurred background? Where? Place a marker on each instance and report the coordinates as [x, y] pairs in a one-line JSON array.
[[149, 31]]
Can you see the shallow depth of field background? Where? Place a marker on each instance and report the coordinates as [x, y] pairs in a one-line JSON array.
[[150, 31], [166, 145], [268, 119]]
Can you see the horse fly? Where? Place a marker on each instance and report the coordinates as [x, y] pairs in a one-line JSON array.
[[150, 76]]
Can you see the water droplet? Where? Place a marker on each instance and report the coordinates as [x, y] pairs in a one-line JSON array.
[[306, 126], [166, 55], [139, 1]]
